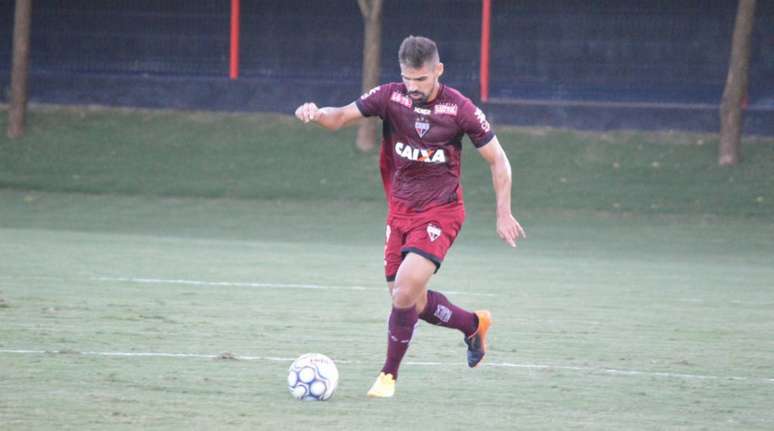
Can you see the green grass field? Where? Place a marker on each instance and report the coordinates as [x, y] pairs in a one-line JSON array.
[[141, 250]]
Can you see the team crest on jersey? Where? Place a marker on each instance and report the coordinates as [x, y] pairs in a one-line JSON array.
[[422, 126], [433, 232]]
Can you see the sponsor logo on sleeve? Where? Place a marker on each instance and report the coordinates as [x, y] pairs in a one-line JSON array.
[[370, 93], [482, 120]]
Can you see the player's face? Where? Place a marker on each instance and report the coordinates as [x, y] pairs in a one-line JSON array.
[[422, 83]]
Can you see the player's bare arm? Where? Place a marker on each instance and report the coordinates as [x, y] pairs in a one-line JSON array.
[[332, 118], [508, 229]]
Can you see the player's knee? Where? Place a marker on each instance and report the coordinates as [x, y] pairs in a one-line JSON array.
[[403, 296]]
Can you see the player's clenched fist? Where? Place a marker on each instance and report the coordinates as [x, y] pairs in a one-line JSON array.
[[307, 112]]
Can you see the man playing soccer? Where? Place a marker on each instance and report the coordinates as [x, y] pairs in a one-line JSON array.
[[423, 125]]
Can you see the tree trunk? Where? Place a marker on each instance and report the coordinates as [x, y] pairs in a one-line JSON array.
[[17, 108], [735, 91], [372, 43]]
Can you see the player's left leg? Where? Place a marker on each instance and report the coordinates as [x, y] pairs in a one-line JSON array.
[[439, 311], [436, 309], [409, 287], [474, 325], [432, 239]]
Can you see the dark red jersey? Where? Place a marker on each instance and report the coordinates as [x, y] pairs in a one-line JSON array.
[[422, 144]]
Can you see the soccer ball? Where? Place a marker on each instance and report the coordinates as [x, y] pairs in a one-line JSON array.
[[313, 376]]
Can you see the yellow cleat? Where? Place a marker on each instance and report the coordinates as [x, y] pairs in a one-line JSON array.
[[383, 387]]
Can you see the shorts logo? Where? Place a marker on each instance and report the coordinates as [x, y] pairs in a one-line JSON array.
[[422, 127], [443, 313], [433, 232]]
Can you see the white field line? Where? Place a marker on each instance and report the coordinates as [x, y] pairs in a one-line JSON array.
[[227, 283], [138, 280], [612, 371]]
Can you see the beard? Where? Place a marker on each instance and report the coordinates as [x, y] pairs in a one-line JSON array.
[[418, 98]]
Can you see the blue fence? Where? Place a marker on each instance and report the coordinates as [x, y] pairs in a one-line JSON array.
[[559, 62], [639, 51]]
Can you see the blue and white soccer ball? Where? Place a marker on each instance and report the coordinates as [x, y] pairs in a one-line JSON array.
[[313, 376]]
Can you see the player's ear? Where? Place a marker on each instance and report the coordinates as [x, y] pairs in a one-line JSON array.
[[438, 69]]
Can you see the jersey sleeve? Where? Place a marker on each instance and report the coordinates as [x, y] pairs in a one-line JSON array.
[[374, 102], [474, 123]]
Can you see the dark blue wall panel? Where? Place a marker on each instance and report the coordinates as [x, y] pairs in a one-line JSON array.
[[553, 62]]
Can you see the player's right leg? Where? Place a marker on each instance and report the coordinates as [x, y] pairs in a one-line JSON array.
[[409, 286], [421, 302]]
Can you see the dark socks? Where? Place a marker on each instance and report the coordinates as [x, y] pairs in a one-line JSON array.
[[440, 311], [401, 328]]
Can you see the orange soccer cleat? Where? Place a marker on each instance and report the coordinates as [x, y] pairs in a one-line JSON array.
[[477, 342]]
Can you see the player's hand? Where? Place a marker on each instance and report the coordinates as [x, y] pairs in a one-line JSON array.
[[308, 112], [509, 230]]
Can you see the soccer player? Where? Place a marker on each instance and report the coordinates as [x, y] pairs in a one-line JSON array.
[[423, 125]]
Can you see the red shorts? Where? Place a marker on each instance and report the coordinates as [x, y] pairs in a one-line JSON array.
[[429, 234]]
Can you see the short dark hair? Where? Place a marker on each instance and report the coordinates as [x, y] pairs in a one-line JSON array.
[[416, 51]]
